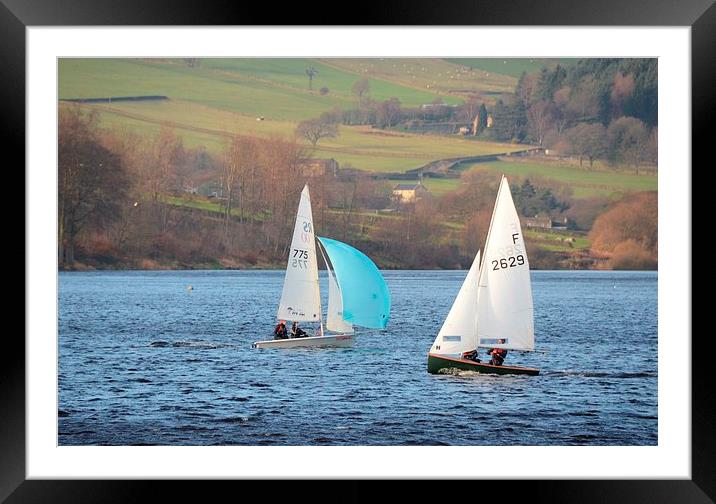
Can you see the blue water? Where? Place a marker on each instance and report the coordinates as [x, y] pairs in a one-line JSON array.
[[144, 360]]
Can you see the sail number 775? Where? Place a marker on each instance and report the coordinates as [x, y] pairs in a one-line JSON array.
[[300, 259], [508, 262]]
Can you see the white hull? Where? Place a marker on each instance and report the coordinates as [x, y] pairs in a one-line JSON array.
[[338, 340]]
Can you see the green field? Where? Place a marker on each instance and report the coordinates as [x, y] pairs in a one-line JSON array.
[[80, 78], [334, 75], [557, 241], [584, 183], [270, 87], [510, 66], [448, 79], [362, 147]]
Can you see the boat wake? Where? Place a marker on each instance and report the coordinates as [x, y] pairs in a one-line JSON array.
[[190, 344], [601, 374], [457, 372]]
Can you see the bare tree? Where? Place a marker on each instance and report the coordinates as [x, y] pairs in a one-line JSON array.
[[622, 90], [584, 101], [315, 129], [132, 149], [588, 140], [361, 88], [652, 150], [238, 169], [469, 110], [282, 181], [92, 182], [539, 117], [563, 114], [628, 141], [311, 73], [166, 151], [158, 173], [388, 112]]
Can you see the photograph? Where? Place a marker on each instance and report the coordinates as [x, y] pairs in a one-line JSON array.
[[358, 251], [443, 247]]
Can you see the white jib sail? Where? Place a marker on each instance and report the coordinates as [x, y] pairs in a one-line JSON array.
[[504, 305], [301, 299], [334, 320], [459, 331]]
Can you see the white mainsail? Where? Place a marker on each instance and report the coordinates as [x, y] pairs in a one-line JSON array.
[[459, 331], [301, 299], [504, 305]]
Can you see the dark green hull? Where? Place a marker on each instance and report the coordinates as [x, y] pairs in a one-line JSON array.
[[437, 363]]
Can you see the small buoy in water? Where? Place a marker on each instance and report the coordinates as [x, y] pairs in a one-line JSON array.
[[189, 287]]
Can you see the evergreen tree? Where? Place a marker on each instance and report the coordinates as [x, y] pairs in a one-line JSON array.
[[482, 122], [509, 121]]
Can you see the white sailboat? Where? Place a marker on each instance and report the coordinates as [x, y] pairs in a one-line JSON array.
[[494, 306], [357, 292]]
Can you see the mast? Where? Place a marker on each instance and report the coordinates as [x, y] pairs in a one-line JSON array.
[[318, 285], [320, 247], [320, 303]]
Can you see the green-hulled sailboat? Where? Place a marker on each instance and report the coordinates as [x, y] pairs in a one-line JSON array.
[[494, 306]]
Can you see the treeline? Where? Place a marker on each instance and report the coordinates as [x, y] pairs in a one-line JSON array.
[[627, 232], [391, 112], [596, 109]]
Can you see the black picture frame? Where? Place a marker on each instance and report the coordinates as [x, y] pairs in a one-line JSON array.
[[17, 15]]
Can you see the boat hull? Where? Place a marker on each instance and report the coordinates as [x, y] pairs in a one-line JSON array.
[[436, 363], [338, 340]]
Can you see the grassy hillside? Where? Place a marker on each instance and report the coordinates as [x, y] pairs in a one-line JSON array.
[[269, 87], [225, 91], [583, 182], [443, 77], [339, 78], [510, 66], [363, 147]]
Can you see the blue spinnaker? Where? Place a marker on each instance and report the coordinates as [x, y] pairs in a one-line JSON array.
[[366, 299]]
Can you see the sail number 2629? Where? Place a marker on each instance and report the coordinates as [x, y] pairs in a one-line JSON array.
[[300, 259], [508, 262]]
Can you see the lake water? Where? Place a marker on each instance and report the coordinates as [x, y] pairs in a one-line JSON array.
[[144, 360]]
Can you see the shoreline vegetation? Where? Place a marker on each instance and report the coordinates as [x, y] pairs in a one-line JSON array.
[[170, 164], [81, 268]]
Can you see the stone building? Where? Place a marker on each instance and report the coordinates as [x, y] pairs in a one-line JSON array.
[[409, 193]]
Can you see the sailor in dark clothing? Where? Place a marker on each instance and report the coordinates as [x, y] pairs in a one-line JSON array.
[[297, 332], [471, 355], [498, 354], [279, 331]]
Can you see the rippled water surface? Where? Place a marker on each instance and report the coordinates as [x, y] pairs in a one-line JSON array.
[[144, 360]]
